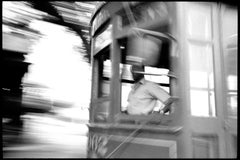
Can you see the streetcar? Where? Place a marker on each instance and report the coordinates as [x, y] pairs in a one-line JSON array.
[[190, 50]]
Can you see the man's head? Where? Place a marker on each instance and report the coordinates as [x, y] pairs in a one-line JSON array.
[[137, 68]]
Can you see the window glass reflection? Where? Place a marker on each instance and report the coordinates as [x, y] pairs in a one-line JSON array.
[[201, 80], [199, 22], [230, 38], [199, 103]]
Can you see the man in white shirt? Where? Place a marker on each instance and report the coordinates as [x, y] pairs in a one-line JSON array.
[[144, 95]]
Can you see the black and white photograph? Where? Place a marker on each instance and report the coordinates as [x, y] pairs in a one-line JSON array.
[[119, 79]]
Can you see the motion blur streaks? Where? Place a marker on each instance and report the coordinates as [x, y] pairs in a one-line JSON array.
[[45, 136], [45, 87]]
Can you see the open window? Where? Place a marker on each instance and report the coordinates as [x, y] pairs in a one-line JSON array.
[[153, 45], [101, 83], [104, 72], [100, 103], [157, 67], [150, 43]]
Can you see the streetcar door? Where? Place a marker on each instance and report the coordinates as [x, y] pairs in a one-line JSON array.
[[210, 35]]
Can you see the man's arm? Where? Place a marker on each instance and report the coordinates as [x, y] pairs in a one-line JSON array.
[[159, 93]]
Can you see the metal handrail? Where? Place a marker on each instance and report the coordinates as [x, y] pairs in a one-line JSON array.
[[129, 136]]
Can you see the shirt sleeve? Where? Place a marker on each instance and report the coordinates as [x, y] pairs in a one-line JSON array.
[[157, 92]]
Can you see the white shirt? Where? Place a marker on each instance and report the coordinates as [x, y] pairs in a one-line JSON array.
[[143, 97]]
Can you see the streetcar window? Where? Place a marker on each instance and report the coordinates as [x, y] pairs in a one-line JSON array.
[[230, 51], [101, 50], [104, 73], [201, 58], [202, 81], [101, 84], [127, 82], [153, 72]]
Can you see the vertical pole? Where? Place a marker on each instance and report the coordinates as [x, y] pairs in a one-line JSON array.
[[94, 85], [184, 106], [115, 54]]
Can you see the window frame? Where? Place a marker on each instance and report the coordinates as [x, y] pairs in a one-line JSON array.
[[153, 118], [119, 33]]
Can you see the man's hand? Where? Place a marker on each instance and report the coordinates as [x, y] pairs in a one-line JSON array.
[[158, 112], [161, 112]]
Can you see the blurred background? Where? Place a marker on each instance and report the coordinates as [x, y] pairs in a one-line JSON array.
[[46, 78], [46, 75]]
